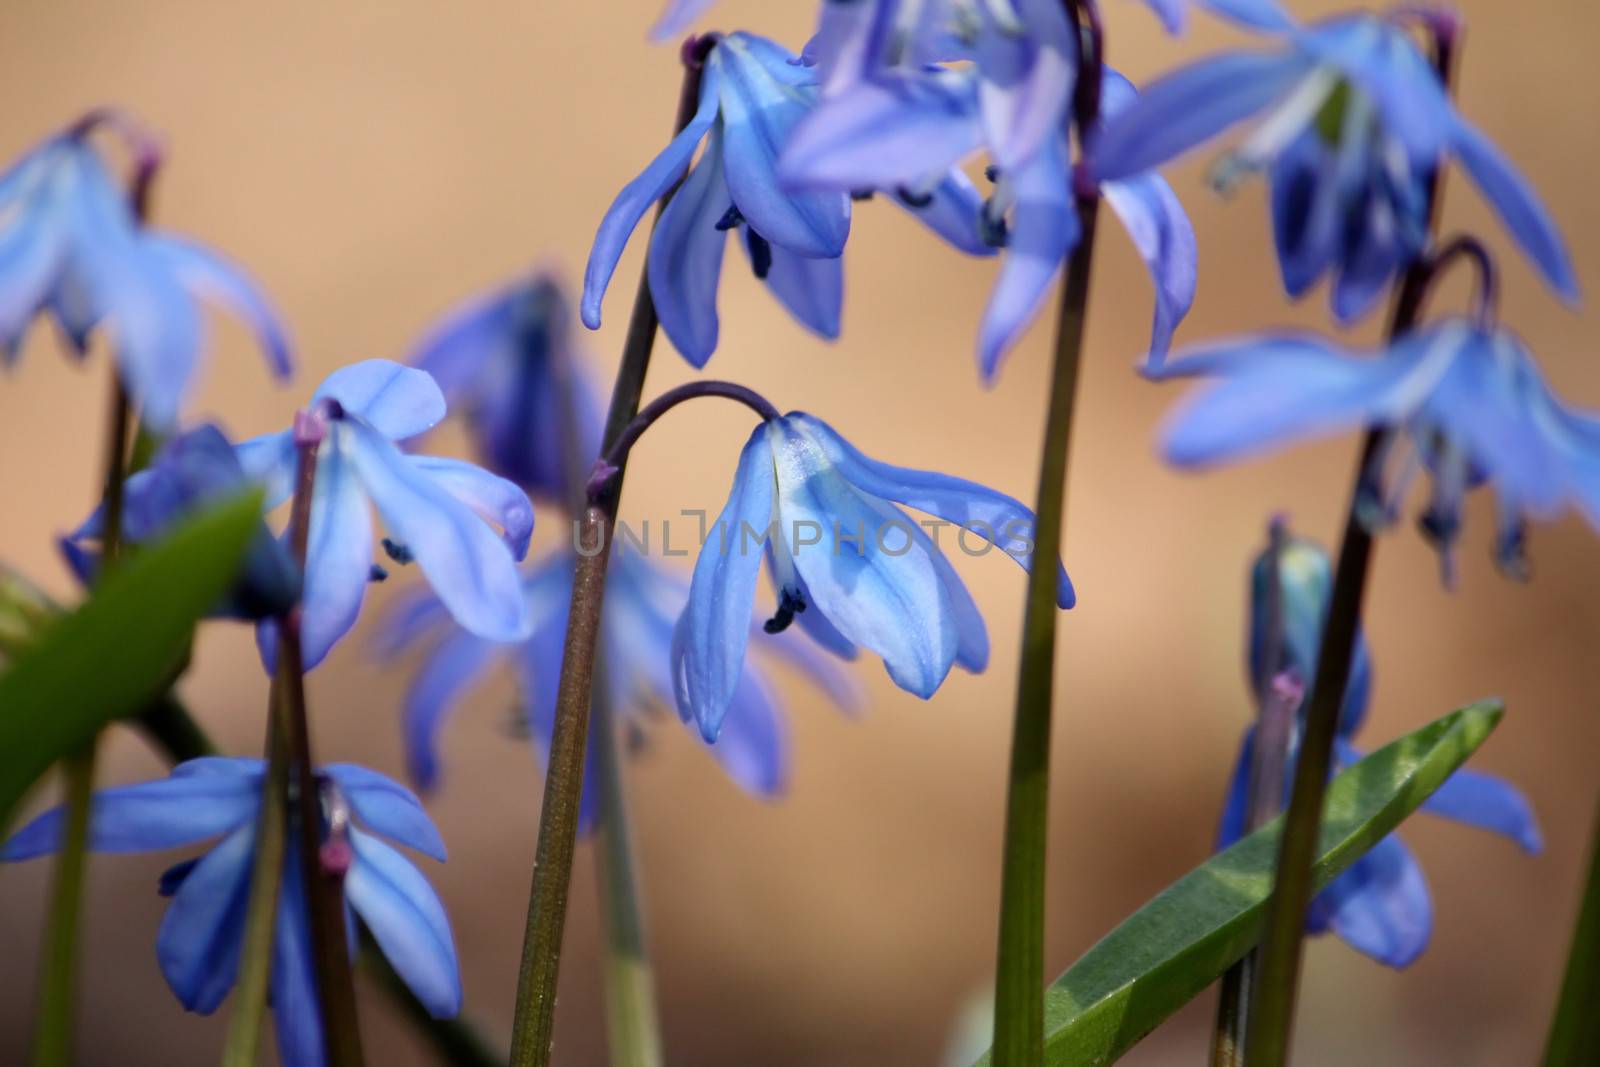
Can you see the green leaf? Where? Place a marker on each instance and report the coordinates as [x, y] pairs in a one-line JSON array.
[[113, 655], [1175, 946]]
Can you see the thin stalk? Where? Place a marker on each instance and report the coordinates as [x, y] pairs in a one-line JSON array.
[[58, 980], [534, 1025], [632, 1028], [1575, 1033], [1271, 1011], [1019, 969]]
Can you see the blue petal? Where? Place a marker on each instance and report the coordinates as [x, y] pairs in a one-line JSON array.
[[637, 196], [156, 331], [464, 561], [1518, 205], [449, 671], [998, 519], [760, 106], [1026, 80], [411, 617], [1174, 14], [1381, 59], [202, 932], [1305, 212], [1044, 230], [386, 807], [814, 623], [1380, 906], [1154, 218], [270, 461], [1489, 803], [1231, 826], [678, 16], [456, 350], [892, 131], [753, 746], [709, 647], [1264, 15], [206, 274], [396, 903], [807, 655], [895, 603], [295, 1013], [30, 257], [811, 289], [490, 496], [952, 210], [1190, 106], [684, 263], [149, 816], [397, 400], [338, 551]]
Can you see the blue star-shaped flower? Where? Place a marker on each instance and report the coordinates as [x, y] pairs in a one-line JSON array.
[[849, 566], [1462, 399], [437, 511], [642, 605], [1355, 123], [70, 245], [202, 934], [189, 472], [508, 363], [1380, 906]]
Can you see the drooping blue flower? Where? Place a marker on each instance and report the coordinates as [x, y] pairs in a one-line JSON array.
[[1463, 400], [190, 472], [1356, 122], [848, 564], [202, 934], [752, 93], [70, 245], [436, 511], [932, 118], [1264, 15], [1380, 906], [642, 605], [508, 362]]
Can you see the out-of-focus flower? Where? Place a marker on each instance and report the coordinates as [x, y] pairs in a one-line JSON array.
[[1462, 399], [70, 245], [642, 604], [1265, 15], [437, 511], [1356, 122], [933, 118], [189, 472], [677, 17], [753, 92], [848, 564], [507, 361], [202, 934], [1380, 906]]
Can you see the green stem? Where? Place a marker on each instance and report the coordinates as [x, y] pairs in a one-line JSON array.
[[533, 1029], [1019, 967], [58, 981], [632, 1018], [1575, 1033]]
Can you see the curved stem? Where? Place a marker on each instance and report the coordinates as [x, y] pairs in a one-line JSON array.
[[612, 460], [534, 1026], [1019, 967], [1272, 1008], [1486, 298], [1575, 1033]]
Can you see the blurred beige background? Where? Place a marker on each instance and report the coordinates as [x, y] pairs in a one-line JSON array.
[[373, 163]]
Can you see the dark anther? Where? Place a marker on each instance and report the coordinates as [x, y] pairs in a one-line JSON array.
[[518, 724], [861, 194], [397, 552], [730, 219], [910, 199], [335, 409], [377, 574], [1511, 553], [1441, 528], [760, 253], [173, 877], [789, 605], [992, 172], [993, 231]]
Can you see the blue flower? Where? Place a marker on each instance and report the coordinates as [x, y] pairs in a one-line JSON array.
[[678, 16], [70, 245], [1355, 124], [848, 565], [1461, 399], [642, 604], [1265, 15], [201, 937], [507, 360], [752, 94], [189, 472], [437, 511], [1380, 906], [933, 118]]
